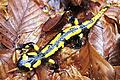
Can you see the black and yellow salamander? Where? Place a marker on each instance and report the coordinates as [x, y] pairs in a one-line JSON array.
[[31, 60]]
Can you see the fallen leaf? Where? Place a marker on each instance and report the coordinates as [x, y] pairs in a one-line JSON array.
[[114, 57], [26, 18], [91, 64], [5, 63], [117, 72], [103, 38]]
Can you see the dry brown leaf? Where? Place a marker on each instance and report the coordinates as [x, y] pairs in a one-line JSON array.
[[23, 24], [5, 63], [43, 73], [3, 7], [114, 57], [7, 42], [113, 15], [26, 19], [103, 38], [50, 23], [117, 72], [103, 35], [70, 74], [91, 64], [17, 76], [7, 33], [73, 73]]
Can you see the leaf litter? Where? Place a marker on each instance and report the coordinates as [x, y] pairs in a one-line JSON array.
[[25, 23]]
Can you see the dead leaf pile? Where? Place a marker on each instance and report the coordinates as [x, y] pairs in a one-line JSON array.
[[23, 21]]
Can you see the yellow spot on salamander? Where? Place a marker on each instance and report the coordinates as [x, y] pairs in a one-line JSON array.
[[28, 65], [73, 34], [46, 48], [56, 38], [51, 61], [32, 53], [36, 47], [45, 10], [68, 36], [81, 35], [61, 44], [27, 46], [24, 57], [86, 22], [51, 52], [31, 69], [76, 22], [90, 25], [37, 64], [76, 32]]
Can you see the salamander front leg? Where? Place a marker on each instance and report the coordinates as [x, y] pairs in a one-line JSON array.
[[24, 47], [31, 45]]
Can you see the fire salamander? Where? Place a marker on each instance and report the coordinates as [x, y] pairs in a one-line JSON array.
[[31, 60]]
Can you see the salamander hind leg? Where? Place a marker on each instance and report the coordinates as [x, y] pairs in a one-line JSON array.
[[76, 41], [53, 65]]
